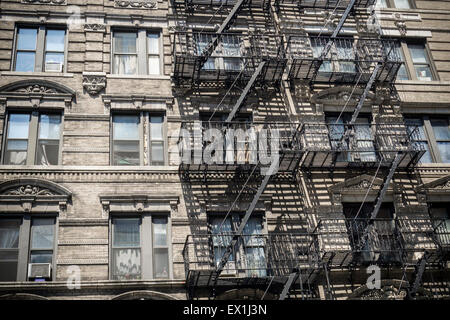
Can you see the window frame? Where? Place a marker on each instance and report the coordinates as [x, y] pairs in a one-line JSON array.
[[33, 134], [24, 247], [39, 65], [409, 64], [144, 116], [429, 134], [391, 5], [142, 53], [146, 243]]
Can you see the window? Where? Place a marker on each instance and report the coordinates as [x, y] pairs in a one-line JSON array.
[[32, 138], [250, 252], [126, 249], [40, 49], [131, 247], [399, 4], [226, 56], [14, 235], [136, 52], [416, 62], [127, 139], [434, 134], [340, 57], [381, 245], [440, 215], [360, 143]]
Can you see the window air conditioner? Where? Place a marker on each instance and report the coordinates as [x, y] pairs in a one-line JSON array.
[[53, 66], [39, 270]]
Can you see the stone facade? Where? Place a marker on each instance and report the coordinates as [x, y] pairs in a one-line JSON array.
[[84, 191]]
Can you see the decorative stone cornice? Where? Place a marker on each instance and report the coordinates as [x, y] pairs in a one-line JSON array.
[[94, 82], [138, 102], [138, 203], [47, 2], [440, 186], [133, 4]]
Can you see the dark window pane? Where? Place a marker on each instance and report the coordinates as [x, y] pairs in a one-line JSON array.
[[126, 232], [8, 270], [41, 257], [42, 233], [55, 40], [25, 61], [161, 265], [126, 264], [426, 158], [9, 233], [423, 73], [26, 39]]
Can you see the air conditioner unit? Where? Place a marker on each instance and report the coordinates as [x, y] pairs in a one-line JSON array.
[[39, 270], [53, 66]]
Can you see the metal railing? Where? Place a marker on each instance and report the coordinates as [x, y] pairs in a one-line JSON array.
[[235, 54], [273, 254], [365, 143], [327, 4], [348, 60], [390, 241]]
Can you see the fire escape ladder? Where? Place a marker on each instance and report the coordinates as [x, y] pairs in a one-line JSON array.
[[226, 24], [379, 199], [245, 92], [239, 231], [287, 286], [419, 269]]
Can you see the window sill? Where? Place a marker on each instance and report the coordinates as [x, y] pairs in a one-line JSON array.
[[148, 77], [422, 82], [37, 74]]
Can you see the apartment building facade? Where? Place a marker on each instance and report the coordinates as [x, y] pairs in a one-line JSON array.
[[109, 109]]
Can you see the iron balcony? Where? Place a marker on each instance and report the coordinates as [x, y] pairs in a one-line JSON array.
[[235, 58], [348, 60]]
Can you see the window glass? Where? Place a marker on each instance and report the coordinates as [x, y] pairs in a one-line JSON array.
[[26, 39], [161, 265], [41, 257], [381, 4], [153, 43], [9, 252], [126, 255], [421, 63], [42, 234], [25, 61], [444, 150], [402, 4], [157, 152], [153, 65], [126, 127], [126, 232], [55, 40], [156, 128], [441, 129], [125, 42], [18, 125], [160, 231], [49, 126]]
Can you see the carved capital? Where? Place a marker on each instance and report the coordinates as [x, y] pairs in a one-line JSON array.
[[142, 4], [95, 27], [94, 82]]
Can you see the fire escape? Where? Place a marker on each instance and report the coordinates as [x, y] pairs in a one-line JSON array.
[[290, 260]]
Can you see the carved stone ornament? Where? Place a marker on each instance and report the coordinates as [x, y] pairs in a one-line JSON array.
[[29, 190], [37, 89], [400, 23], [364, 184], [96, 27], [146, 4], [54, 2], [93, 83]]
